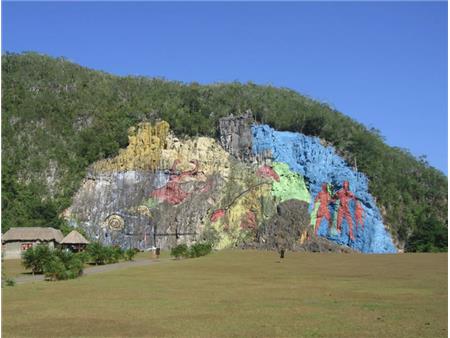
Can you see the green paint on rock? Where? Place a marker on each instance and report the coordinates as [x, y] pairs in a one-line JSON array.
[[290, 186], [333, 230], [314, 214]]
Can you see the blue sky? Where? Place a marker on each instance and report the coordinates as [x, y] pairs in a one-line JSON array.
[[384, 64]]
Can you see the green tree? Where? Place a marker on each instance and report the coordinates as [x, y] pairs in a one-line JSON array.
[[36, 257]]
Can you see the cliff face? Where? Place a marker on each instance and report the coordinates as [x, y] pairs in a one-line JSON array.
[[236, 135], [321, 165], [162, 190]]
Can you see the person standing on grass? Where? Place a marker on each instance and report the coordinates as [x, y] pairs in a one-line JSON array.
[[281, 245], [281, 255]]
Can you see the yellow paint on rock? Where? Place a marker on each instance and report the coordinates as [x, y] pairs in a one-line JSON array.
[[250, 201], [143, 152], [209, 154], [152, 147]]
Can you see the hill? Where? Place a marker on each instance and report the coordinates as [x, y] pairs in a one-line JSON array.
[[58, 118]]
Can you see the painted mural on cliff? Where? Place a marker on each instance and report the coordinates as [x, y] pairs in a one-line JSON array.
[[358, 222], [162, 190]]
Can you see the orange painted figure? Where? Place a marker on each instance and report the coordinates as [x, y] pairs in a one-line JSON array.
[[344, 196], [359, 215], [324, 198]]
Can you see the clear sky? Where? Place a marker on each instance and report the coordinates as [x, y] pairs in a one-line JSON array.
[[384, 64]]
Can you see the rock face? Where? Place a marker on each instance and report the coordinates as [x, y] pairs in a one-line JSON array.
[[318, 165], [236, 135], [143, 152], [162, 190], [285, 227]]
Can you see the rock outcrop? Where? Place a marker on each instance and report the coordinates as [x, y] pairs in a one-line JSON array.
[[321, 165], [162, 190], [236, 135], [145, 144]]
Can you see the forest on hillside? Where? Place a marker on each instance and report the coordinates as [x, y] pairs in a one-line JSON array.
[[59, 117]]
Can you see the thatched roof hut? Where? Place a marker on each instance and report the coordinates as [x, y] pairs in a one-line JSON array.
[[74, 237], [25, 234], [17, 240]]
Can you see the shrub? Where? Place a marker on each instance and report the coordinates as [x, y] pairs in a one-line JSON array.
[[98, 253], [113, 254], [36, 257], [63, 265], [54, 269], [200, 249], [64, 255], [74, 267], [179, 251], [129, 254], [10, 282], [83, 256], [118, 253]]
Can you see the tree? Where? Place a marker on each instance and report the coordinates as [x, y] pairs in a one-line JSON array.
[[35, 258]]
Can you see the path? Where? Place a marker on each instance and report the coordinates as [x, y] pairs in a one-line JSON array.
[[93, 269]]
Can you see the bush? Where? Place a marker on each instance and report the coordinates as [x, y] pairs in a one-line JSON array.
[[54, 269], [36, 257], [63, 265], [83, 256], [130, 253], [10, 282], [179, 251], [200, 249], [74, 267], [98, 253], [64, 255], [113, 254], [196, 250]]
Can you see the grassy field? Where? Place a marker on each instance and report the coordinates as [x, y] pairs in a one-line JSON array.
[[14, 268], [242, 294]]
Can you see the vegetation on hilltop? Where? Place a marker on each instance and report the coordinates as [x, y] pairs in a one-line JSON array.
[[59, 117]]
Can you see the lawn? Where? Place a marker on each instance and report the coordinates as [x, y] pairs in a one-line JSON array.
[[14, 268], [242, 294]]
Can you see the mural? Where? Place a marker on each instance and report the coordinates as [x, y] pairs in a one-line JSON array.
[[162, 190], [318, 164], [323, 198]]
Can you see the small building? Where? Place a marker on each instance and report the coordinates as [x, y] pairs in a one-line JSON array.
[[74, 241], [17, 240]]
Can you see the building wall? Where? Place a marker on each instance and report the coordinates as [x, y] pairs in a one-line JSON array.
[[13, 250]]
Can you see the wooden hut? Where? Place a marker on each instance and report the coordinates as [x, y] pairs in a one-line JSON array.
[[17, 240], [74, 241]]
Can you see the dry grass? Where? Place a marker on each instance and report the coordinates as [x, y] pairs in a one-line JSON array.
[[242, 294], [14, 268]]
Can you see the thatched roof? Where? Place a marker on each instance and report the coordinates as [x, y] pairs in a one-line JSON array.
[[32, 234], [74, 238]]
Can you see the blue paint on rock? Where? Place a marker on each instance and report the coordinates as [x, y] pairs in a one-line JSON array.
[[319, 164]]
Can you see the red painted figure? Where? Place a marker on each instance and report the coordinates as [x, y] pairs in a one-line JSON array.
[[324, 198], [359, 215], [172, 191], [344, 196], [267, 172]]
